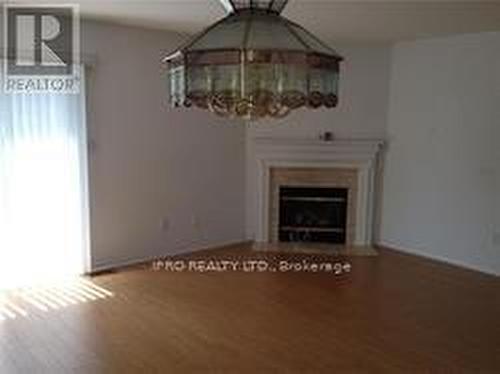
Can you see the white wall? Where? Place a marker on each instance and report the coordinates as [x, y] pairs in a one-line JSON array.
[[363, 95], [151, 162], [442, 173], [442, 178], [361, 113]]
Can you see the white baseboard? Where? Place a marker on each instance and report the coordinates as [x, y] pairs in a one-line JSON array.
[[461, 264], [121, 264], [115, 264]]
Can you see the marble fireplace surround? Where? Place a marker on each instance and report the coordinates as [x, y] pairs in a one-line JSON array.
[[293, 161]]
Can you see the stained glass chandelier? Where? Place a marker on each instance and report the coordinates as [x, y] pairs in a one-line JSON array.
[[254, 63]]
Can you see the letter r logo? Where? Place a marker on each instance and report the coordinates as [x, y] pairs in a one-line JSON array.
[[40, 40]]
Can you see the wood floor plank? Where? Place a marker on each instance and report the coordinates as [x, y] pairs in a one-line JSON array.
[[391, 313]]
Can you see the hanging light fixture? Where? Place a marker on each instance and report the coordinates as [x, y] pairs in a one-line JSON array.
[[254, 63]]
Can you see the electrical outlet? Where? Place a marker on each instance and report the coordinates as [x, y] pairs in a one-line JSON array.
[[164, 224], [496, 239], [195, 221]]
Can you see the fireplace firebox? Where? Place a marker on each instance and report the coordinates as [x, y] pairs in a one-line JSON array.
[[313, 214]]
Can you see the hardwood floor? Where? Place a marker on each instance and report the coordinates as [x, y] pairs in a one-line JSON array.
[[391, 313]]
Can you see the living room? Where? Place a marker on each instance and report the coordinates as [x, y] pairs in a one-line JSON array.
[[147, 226]]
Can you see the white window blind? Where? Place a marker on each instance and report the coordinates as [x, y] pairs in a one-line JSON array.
[[43, 187]]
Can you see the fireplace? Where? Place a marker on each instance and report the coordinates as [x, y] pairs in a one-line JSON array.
[[313, 214], [284, 169]]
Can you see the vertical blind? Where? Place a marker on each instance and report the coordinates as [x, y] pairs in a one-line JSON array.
[[43, 187]]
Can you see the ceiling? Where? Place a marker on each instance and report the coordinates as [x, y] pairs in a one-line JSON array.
[[332, 20]]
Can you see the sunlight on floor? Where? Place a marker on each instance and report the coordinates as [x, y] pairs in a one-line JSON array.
[[44, 298]]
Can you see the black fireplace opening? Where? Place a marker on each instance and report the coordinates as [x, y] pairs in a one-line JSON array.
[[313, 214]]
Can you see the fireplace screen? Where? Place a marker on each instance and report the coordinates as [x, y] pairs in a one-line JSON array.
[[316, 214]]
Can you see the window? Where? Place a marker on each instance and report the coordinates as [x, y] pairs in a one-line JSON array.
[[43, 187]]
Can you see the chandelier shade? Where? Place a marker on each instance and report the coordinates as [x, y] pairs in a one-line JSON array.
[[254, 63]]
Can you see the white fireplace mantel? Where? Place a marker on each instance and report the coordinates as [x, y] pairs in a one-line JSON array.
[[359, 154]]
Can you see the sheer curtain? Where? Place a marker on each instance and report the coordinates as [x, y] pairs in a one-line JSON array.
[[43, 187]]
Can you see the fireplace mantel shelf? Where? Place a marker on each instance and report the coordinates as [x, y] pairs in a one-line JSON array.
[[356, 149], [319, 143]]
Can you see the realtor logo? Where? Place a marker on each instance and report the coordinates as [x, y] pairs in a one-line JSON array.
[[41, 48]]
